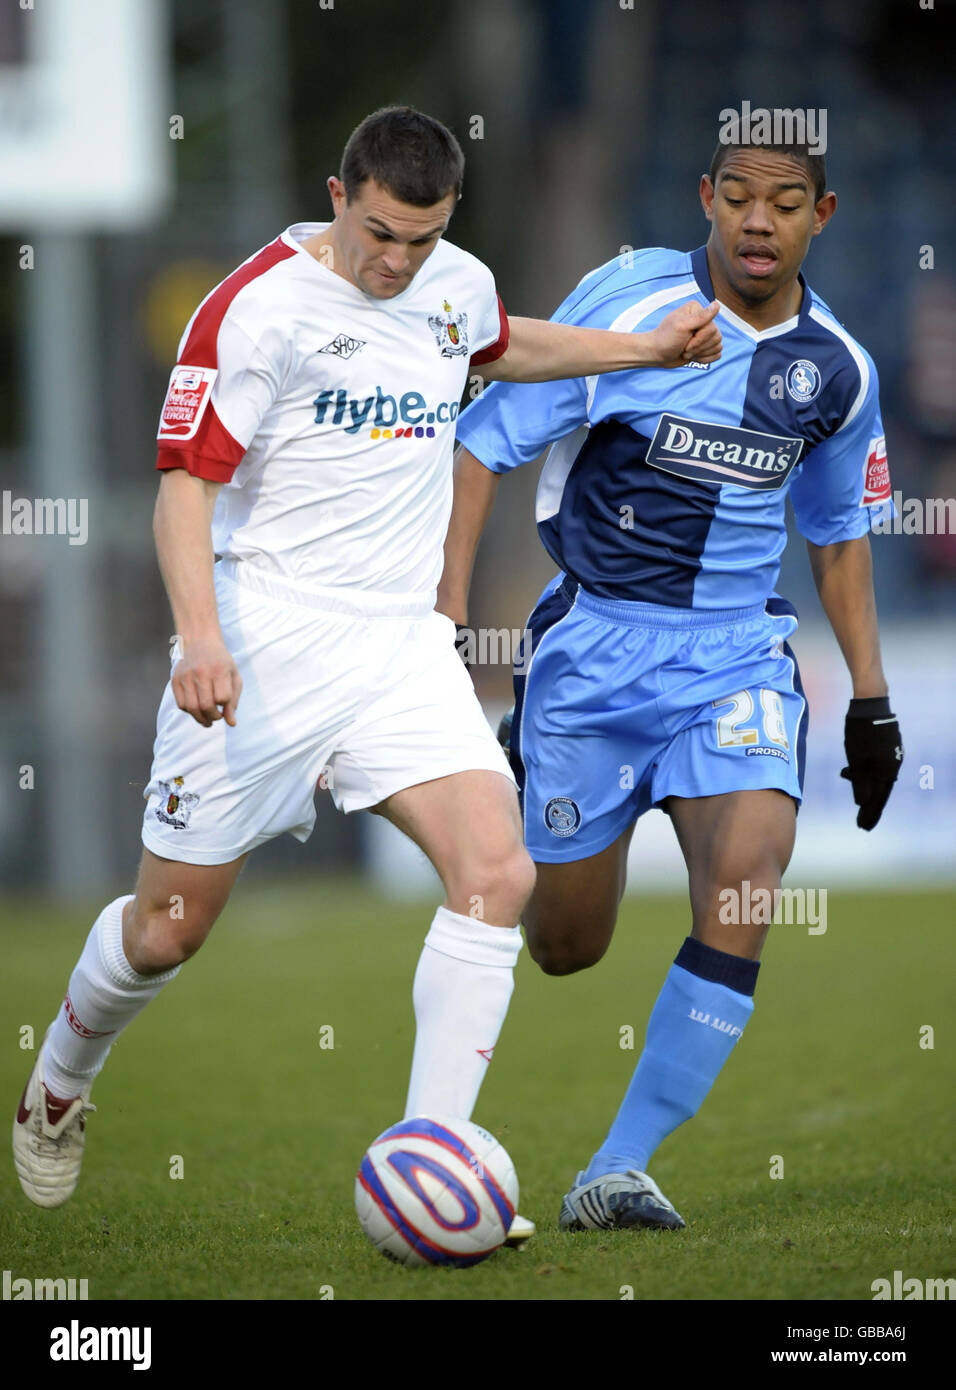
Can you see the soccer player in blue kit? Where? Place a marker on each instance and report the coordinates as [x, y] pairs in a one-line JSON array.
[[659, 671]]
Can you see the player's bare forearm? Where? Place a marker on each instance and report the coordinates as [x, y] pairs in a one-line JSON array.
[[843, 574], [181, 527], [539, 350], [205, 681], [475, 488]]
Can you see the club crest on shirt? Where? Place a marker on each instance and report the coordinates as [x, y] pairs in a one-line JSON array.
[[178, 805], [803, 380], [450, 330]]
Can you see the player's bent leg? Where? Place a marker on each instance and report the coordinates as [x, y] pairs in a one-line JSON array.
[[571, 915], [469, 826], [123, 967]]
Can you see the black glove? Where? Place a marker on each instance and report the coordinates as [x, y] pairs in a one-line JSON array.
[[874, 751]]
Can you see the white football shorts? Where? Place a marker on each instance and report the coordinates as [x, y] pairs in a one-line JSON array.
[[332, 689]]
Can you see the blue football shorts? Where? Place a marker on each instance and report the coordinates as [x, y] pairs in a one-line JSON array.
[[621, 704]]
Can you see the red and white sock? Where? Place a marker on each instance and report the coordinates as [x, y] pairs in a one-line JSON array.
[[462, 989], [104, 995]]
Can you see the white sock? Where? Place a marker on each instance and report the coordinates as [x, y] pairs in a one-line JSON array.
[[462, 989], [104, 995]]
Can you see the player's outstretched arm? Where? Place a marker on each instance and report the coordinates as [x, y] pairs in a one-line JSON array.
[[205, 681], [843, 573], [475, 488], [539, 350]]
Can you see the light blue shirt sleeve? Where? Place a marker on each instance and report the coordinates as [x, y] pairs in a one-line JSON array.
[[512, 422], [845, 478]]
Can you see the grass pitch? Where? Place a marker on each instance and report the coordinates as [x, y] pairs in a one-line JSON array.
[[226, 1072]]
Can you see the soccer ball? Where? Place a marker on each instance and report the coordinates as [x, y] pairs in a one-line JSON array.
[[436, 1191]]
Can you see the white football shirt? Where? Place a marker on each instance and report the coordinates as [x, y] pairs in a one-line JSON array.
[[329, 415]]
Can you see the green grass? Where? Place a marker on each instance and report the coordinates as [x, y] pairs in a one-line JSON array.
[[225, 1069]]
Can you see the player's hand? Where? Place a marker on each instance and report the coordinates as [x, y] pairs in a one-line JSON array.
[[206, 682], [874, 752], [688, 334]]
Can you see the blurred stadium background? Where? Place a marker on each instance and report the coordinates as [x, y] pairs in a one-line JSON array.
[[596, 122]]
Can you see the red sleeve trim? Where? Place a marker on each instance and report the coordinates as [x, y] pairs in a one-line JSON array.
[[499, 348], [199, 349], [212, 452], [213, 470]]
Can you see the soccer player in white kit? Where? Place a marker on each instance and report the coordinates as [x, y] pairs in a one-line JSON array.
[[306, 441]]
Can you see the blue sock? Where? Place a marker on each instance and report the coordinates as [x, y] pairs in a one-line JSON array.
[[699, 1015]]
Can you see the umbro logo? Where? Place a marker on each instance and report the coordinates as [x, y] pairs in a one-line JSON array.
[[343, 346]]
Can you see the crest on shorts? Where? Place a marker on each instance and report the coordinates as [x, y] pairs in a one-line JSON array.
[[562, 816], [178, 805], [450, 330]]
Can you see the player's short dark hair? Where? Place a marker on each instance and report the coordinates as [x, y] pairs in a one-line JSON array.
[[815, 164], [412, 155]]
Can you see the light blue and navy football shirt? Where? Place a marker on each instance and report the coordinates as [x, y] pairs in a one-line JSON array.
[[676, 493]]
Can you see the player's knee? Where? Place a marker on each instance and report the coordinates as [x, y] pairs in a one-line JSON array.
[[559, 945], [520, 877], [733, 906], [759, 862], [563, 958], [734, 880], [497, 887], [157, 939]]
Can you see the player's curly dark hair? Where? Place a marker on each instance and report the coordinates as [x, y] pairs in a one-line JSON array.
[[815, 164], [414, 156]]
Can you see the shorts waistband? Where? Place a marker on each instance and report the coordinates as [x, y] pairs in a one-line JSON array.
[[635, 614], [359, 603]]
